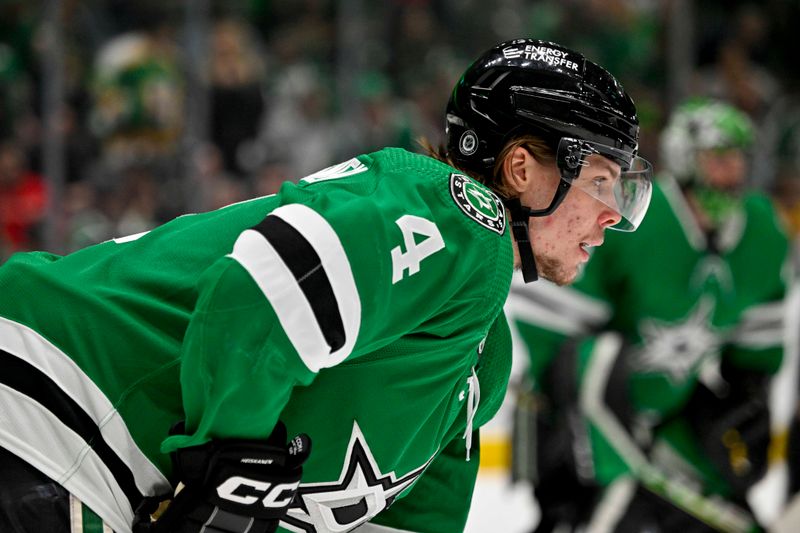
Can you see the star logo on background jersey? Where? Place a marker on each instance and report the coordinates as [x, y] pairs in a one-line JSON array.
[[361, 492], [676, 348]]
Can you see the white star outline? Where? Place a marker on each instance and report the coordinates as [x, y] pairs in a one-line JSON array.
[[481, 197], [361, 483], [677, 347]]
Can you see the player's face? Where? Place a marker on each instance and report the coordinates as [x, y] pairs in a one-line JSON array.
[[561, 240], [722, 169]]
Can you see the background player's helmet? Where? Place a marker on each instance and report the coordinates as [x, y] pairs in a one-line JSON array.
[[702, 124], [527, 86]]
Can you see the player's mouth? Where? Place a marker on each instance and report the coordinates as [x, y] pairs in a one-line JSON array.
[[585, 245]]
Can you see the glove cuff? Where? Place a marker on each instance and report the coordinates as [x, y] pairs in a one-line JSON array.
[[246, 477]]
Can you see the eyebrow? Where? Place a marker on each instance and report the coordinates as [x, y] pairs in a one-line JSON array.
[[605, 163]]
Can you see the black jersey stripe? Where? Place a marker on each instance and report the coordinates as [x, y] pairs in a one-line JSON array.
[[33, 383], [305, 265]]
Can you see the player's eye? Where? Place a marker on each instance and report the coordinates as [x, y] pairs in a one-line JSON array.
[[601, 185]]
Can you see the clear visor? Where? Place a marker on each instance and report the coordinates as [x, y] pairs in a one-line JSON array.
[[618, 179]]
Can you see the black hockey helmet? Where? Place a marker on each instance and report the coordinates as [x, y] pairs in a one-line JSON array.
[[529, 86]]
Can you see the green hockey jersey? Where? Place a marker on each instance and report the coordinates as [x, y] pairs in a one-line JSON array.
[[680, 304], [362, 306]]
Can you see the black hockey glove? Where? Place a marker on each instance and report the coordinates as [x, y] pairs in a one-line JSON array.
[[233, 485]]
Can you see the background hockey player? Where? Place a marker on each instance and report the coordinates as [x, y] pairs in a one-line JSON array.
[[650, 371], [360, 309]]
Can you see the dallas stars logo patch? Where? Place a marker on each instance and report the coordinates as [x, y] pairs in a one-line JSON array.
[[361, 492], [478, 203]]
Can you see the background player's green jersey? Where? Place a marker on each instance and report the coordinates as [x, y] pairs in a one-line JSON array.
[[361, 306], [681, 304]]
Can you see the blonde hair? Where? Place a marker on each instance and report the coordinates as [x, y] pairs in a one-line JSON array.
[[537, 147]]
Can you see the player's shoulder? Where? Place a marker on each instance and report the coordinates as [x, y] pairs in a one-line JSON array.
[[759, 204], [394, 181], [466, 198], [761, 212], [400, 170]]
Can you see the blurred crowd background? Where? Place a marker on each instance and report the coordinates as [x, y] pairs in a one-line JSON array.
[[116, 116]]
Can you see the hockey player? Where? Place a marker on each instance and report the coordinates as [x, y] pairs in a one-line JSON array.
[[650, 373], [360, 309]]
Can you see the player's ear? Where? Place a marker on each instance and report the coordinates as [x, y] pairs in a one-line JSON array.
[[518, 170]]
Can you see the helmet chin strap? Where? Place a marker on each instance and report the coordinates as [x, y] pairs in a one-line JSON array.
[[519, 227]]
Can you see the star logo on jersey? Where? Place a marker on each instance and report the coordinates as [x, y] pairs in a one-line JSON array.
[[677, 348], [361, 492], [479, 203]]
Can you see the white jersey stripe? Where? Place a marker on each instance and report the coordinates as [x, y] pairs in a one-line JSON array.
[[759, 339], [37, 436], [532, 312], [761, 326], [562, 309], [254, 252], [273, 277], [326, 243], [75, 514], [34, 349], [766, 312]]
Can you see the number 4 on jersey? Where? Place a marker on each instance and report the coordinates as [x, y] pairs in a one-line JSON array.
[[415, 252]]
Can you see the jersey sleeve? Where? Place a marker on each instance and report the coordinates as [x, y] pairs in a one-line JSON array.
[[756, 343], [328, 276], [238, 365]]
